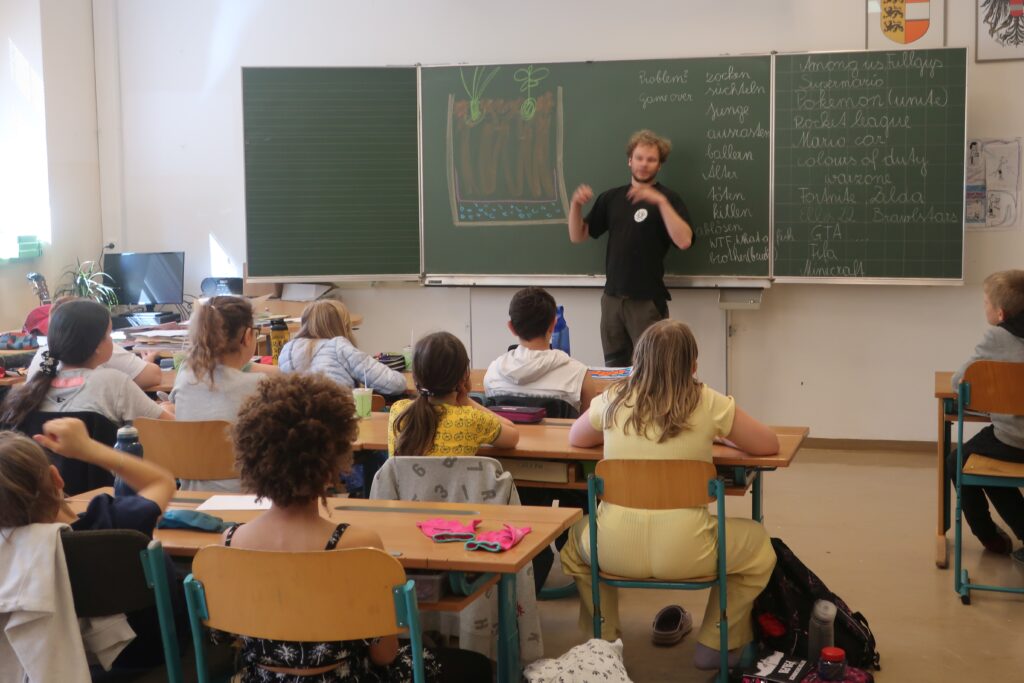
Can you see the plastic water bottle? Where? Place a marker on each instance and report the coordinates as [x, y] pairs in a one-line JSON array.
[[820, 632], [127, 442], [278, 337], [560, 337]]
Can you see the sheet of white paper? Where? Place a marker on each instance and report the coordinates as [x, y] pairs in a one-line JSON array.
[[228, 502], [162, 333]]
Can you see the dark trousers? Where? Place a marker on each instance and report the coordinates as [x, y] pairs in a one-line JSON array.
[[1009, 502], [544, 560], [623, 320]]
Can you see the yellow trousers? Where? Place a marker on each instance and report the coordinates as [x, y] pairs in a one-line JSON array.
[[672, 545]]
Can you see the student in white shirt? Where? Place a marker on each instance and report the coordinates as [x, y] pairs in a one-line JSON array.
[[70, 378], [211, 384], [533, 368], [144, 372]]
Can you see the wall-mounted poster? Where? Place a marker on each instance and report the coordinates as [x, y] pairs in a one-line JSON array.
[[1000, 30], [992, 184], [905, 24]]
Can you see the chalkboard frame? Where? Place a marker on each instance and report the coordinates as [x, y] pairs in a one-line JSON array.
[[597, 280]]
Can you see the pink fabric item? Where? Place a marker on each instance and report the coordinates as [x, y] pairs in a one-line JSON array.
[[448, 530], [498, 541]]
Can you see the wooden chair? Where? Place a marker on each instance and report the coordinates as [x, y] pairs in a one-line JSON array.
[[108, 578], [992, 387], [377, 403], [316, 596], [198, 450], [659, 485]]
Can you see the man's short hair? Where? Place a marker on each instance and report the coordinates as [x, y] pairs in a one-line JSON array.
[[531, 311], [649, 137], [1005, 291]]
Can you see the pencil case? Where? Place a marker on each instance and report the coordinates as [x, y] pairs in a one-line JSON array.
[[520, 414]]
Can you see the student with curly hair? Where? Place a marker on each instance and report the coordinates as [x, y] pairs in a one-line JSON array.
[[292, 438]]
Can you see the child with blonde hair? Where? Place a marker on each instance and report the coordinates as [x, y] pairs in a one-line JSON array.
[[325, 344], [662, 412]]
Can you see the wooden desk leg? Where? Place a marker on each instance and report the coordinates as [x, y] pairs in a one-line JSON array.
[[942, 445], [509, 667]]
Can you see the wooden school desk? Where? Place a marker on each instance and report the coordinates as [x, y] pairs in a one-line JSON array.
[[946, 400], [549, 440], [395, 521]]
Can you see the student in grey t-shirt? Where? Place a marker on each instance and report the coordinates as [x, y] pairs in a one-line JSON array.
[[70, 378], [211, 384]]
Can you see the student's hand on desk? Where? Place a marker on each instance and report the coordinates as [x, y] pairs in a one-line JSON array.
[[151, 357], [65, 436]]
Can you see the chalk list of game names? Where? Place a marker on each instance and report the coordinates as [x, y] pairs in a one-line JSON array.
[[728, 146], [869, 164]]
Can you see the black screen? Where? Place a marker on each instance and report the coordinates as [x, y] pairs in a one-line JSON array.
[[147, 279]]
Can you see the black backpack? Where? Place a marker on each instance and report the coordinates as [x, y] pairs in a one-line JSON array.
[[790, 597]]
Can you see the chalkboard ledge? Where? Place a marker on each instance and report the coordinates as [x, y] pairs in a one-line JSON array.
[[388, 277], [671, 281], [935, 282]]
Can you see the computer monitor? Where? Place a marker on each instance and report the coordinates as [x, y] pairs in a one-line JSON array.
[[147, 279]]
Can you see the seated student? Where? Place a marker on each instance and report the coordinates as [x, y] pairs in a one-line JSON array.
[[662, 412], [212, 383], [533, 368], [443, 419], [1004, 438], [143, 372], [70, 378], [292, 438], [31, 491], [325, 344]]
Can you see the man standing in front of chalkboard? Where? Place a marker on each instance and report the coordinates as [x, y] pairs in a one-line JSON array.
[[643, 220]]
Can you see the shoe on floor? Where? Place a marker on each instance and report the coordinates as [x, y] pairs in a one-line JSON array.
[[998, 543], [670, 625], [1018, 556]]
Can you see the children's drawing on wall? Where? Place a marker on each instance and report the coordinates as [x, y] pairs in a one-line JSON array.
[[1000, 30], [896, 24], [992, 191], [505, 150]]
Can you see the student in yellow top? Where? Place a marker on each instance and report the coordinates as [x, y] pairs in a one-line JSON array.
[[662, 412], [443, 419]]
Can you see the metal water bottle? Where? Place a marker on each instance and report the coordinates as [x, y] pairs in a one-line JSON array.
[[820, 631], [127, 442]]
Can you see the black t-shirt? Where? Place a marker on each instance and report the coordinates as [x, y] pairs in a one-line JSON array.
[[637, 242]]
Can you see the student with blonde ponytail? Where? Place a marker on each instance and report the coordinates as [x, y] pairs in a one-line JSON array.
[[325, 345], [662, 412], [211, 384], [70, 376], [443, 419]]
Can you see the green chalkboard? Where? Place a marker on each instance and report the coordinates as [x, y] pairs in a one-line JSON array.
[[331, 172], [869, 165], [504, 146]]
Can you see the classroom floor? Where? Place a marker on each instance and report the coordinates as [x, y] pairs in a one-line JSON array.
[[864, 522]]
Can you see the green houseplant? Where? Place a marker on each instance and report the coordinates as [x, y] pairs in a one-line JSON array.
[[86, 280]]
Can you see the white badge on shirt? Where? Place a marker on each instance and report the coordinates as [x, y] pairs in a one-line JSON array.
[[640, 215]]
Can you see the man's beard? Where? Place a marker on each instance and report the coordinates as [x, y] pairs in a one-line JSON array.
[[647, 181]]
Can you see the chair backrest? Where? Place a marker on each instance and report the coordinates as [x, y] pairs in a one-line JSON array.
[[189, 449], [107, 576], [78, 476], [464, 479], [656, 484], [377, 403], [995, 387], [555, 407], [299, 596]]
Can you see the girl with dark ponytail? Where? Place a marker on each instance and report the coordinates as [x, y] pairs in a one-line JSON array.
[[70, 379], [443, 419]]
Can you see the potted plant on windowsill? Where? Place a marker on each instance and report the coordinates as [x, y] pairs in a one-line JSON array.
[[86, 280]]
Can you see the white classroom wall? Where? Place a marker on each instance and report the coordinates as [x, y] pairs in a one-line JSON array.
[[167, 173]]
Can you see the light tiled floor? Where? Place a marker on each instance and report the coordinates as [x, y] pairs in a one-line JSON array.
[[864, 522]]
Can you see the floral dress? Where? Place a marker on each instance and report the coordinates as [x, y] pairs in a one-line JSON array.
[[352, 657]]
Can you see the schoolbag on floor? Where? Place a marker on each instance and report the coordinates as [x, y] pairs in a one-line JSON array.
[[783, 611]]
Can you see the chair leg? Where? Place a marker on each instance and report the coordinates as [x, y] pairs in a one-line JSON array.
[[959, 574]]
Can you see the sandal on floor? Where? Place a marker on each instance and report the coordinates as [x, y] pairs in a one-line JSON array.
[[670, 625]]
